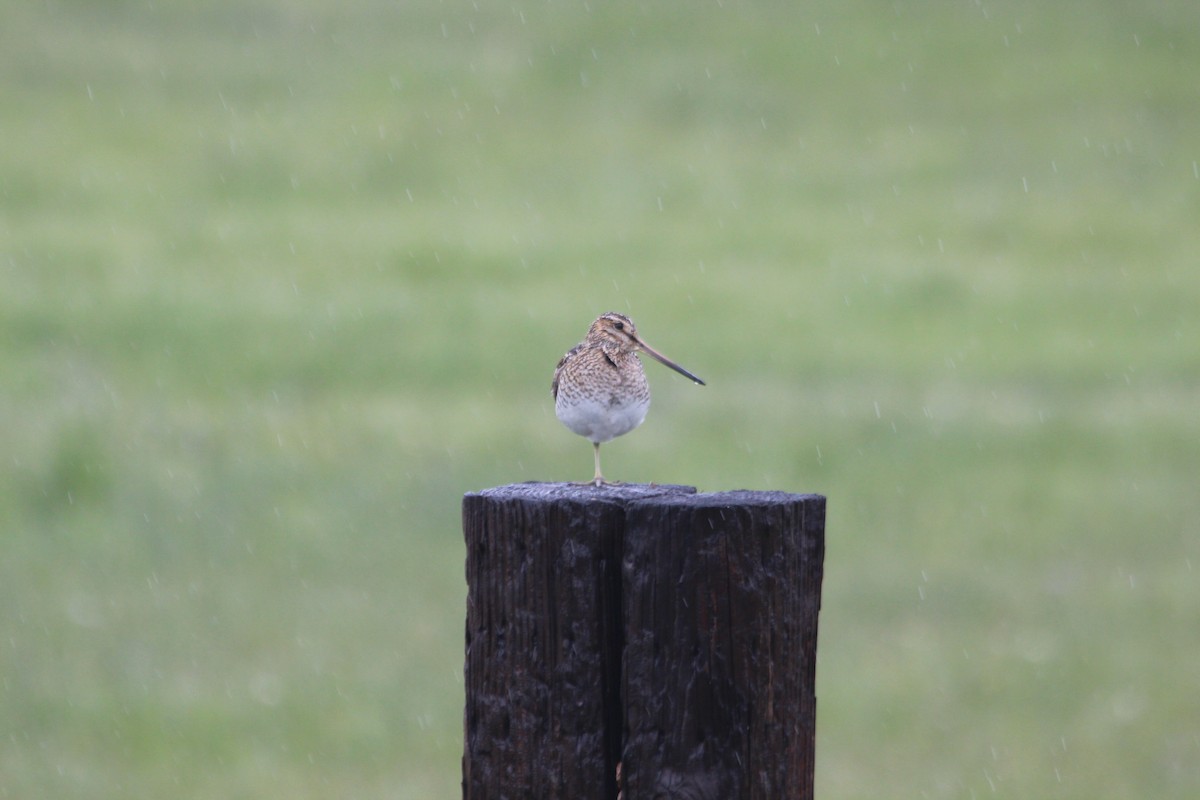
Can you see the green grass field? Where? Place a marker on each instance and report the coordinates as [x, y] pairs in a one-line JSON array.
[[279, 282]]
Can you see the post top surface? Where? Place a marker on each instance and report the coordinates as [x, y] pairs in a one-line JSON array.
[[666, 494], [618, 492], [742, 497]]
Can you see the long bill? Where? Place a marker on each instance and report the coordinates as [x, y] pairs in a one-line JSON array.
[[660, 358]]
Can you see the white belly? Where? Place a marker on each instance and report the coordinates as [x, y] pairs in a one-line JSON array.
[[601, 419]]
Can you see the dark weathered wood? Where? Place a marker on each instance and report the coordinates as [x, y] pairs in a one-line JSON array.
[[721, 594], [544, 633], [648, 626]]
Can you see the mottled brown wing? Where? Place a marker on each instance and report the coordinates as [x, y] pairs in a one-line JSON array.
[[558, 369]]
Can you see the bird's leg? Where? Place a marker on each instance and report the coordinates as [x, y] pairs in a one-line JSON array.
[[598, 479]]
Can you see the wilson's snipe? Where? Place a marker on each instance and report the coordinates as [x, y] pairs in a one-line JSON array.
[[600, 389]]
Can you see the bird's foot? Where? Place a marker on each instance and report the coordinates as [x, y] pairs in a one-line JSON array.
[[598, 482]]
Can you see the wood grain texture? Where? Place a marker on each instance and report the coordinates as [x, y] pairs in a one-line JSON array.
[[670, 632]]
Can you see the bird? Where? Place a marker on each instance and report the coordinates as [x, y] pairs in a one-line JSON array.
[[599, 386]]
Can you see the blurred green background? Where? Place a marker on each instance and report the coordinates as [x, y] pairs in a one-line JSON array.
[[282, 280]]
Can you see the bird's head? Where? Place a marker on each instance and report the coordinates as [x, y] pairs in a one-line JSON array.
[[616, 332]]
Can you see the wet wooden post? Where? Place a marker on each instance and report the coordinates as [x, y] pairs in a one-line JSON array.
[[668, 632]]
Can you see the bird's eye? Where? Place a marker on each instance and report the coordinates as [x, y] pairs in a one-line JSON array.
[[620, 326]]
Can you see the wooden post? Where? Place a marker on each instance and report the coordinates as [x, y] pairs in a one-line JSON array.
[[667, 633]]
